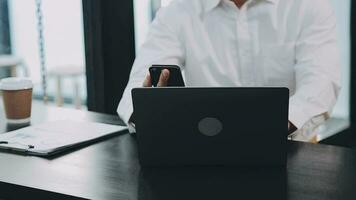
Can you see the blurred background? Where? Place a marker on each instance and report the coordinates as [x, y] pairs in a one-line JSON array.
[[62, 41], [69, 48]]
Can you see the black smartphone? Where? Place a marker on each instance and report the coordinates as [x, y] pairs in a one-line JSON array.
[[175, 75]]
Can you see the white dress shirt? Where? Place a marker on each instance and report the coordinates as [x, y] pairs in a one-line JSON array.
[[283, 43]]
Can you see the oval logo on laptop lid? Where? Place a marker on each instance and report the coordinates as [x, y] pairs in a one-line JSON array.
[[210, 126]]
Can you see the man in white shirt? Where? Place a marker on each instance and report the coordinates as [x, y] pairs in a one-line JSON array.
[[248, 43]]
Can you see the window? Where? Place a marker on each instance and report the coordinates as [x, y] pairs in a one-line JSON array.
[[143, 16], [144, 13], [341, 113], [63, 44], [342, 10], [166, 2]]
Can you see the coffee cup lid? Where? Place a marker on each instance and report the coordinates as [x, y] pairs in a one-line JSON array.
[[15, 83]]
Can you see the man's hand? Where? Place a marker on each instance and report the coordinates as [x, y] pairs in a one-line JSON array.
[[163, 79]]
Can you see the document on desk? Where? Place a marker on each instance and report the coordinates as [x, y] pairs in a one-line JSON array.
[[53, 137]]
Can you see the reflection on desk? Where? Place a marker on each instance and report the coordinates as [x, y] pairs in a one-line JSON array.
[[211, 183]]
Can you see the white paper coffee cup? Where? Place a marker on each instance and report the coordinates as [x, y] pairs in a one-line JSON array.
[[17, 98]]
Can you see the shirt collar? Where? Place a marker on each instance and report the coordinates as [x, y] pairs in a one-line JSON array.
[[211, 4]]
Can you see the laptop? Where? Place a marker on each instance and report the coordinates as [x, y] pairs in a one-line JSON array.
[[211, 126]]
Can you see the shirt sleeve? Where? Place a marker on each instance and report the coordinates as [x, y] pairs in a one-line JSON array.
[[163, 46], [317, 69]]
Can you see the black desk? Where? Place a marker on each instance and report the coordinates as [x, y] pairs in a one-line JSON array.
[[110, 170]]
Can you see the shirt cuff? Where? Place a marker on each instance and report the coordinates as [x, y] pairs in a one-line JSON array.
[[125, 109], [126, 116], [297, 116], [131, 127]]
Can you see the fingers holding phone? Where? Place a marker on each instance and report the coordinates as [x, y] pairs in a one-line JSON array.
[[148, 81], [165, 76], [162, 82]]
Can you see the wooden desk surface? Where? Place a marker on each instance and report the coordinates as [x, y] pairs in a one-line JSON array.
[[110, 170]]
